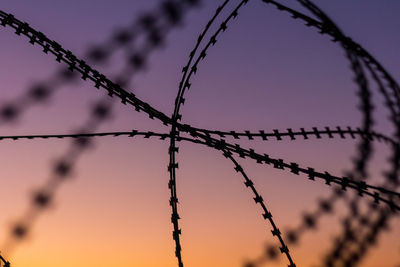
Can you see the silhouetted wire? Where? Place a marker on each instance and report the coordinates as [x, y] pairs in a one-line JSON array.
[[308, 219], [366, 107], [267, 215], [359, 243], [364, 147], [75, 64], [130, 133], [303, 134], [85, 135], [365, 150], [357, 56], [215, 143], [101, 111], [175, 16], [326, 206], [100, 53], [359, 186], [365, 57], [277, 135], [173, 149], [359, 171], [343, 186]]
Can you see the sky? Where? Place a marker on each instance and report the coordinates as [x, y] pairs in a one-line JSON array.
[[267, 71]]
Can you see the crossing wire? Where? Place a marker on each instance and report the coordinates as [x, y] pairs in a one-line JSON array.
[[360, 61], [100, 112]]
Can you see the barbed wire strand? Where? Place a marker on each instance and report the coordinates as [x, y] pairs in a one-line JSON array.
[[173, 149], [41, 91], [276, 134], [267, 215]]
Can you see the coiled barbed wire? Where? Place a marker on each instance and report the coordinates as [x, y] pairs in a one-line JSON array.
[[359, 59], [326, 26]]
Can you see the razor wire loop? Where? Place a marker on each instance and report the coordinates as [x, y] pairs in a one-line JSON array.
[[393, 86], [364, 150], [367, 57], [173, 149], [364, 147], [364, 242], [280, 164]]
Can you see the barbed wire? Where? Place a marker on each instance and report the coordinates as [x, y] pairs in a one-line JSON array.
[[360, 62], [63, 168], [123, 37], [244, 153], [276, 134], [267, 215], [365, 150], [185, 84], [279, 164], [279, 135], [367, 59]]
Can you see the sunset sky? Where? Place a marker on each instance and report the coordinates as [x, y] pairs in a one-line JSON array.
[[267, 71]]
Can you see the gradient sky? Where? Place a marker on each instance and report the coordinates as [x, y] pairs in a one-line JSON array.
[[266, 72]]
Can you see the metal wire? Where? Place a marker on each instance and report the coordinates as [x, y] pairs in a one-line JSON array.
[[359, 232]]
